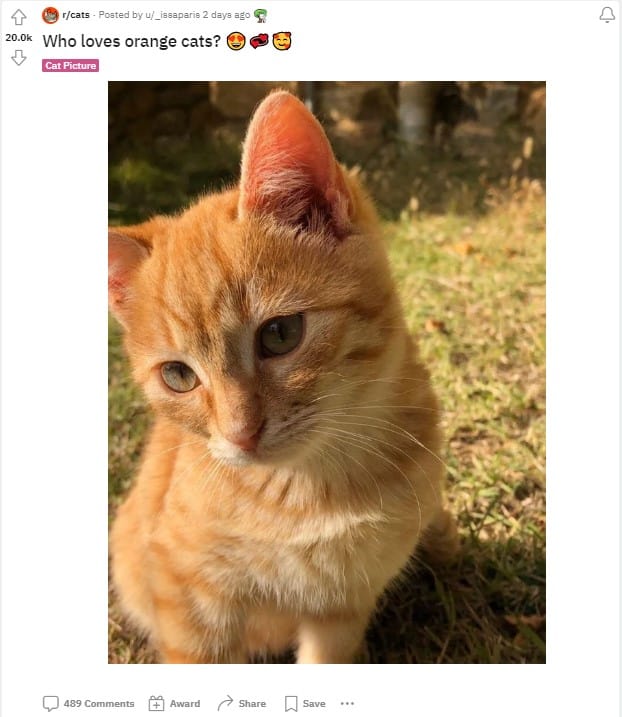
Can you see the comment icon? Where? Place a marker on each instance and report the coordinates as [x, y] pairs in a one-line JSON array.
[[50, 702]]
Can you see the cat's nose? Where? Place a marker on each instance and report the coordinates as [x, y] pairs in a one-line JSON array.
[[246, 438]]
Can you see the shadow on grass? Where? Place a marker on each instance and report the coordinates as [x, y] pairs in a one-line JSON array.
[[486, 607]]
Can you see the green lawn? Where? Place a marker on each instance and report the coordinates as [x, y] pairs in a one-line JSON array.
[[466, 237]]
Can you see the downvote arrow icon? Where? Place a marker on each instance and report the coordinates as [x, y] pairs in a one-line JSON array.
[[18, 57], [18, 17]]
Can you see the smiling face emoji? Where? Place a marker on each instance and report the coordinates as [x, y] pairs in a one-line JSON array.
[[282, 40], [236, 40]]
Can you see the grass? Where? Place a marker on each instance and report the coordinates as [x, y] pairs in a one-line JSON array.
[[466, 237], [474, 292]]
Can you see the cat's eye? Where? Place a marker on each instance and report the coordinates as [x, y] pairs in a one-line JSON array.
[[178, 377], [280, 335]]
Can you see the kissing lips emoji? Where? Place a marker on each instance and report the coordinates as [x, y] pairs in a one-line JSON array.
[[259, 40]]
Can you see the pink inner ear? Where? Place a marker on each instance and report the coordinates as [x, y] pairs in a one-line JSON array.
[[124, 256], [289, 169]]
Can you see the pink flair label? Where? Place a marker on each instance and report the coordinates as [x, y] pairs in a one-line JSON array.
[[72, 65]]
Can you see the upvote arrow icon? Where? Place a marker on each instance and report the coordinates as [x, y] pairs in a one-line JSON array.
[[18, 57], [18, 17]]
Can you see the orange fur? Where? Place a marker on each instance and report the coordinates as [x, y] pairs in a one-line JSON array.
[[278, 498]]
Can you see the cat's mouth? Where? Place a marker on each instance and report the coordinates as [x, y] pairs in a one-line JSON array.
[[262, 448], [238, 450]]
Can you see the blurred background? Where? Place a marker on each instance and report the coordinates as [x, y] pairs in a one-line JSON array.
[[447, 142], [457, 170]]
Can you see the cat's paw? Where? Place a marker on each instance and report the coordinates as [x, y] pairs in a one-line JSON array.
[[441, 542]]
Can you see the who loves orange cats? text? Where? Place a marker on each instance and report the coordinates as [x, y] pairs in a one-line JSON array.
[[293, 466]]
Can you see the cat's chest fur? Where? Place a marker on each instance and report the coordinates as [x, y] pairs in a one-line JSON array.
[[271, 537]]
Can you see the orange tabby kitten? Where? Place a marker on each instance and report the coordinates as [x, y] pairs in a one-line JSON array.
[[292, 469]]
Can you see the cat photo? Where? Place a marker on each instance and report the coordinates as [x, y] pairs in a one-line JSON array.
[[291, 464]]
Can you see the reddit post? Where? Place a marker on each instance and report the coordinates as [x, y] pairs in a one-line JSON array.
[[346, 421]]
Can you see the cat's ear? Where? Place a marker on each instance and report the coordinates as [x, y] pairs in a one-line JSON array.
[[289, 170], [127, 249]]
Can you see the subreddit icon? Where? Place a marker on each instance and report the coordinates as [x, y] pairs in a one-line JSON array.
[[50, 15]]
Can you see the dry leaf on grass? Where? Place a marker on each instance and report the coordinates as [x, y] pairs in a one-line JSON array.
[[535, 622], [463, 248], [433, 325], [528, 627]]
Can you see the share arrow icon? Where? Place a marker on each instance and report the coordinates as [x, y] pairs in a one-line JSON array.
[[226, 702], [18, 17], [18, 57]]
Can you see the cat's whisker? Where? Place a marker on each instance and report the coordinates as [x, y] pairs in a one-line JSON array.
[[193, 464], [218, 481], [325, 396], [207, 476], [338, 418], [357, 443], [397, 428], [212, 474], [347, 384], [398, 379], [180, 445], [368, 437], [404, 407], [339, 394], [375, 439], [350, 457], [405, 434]]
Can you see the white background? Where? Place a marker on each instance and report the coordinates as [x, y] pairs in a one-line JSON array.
[[54, 339]]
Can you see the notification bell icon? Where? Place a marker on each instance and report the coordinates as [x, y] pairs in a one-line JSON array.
[[607, 14]]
